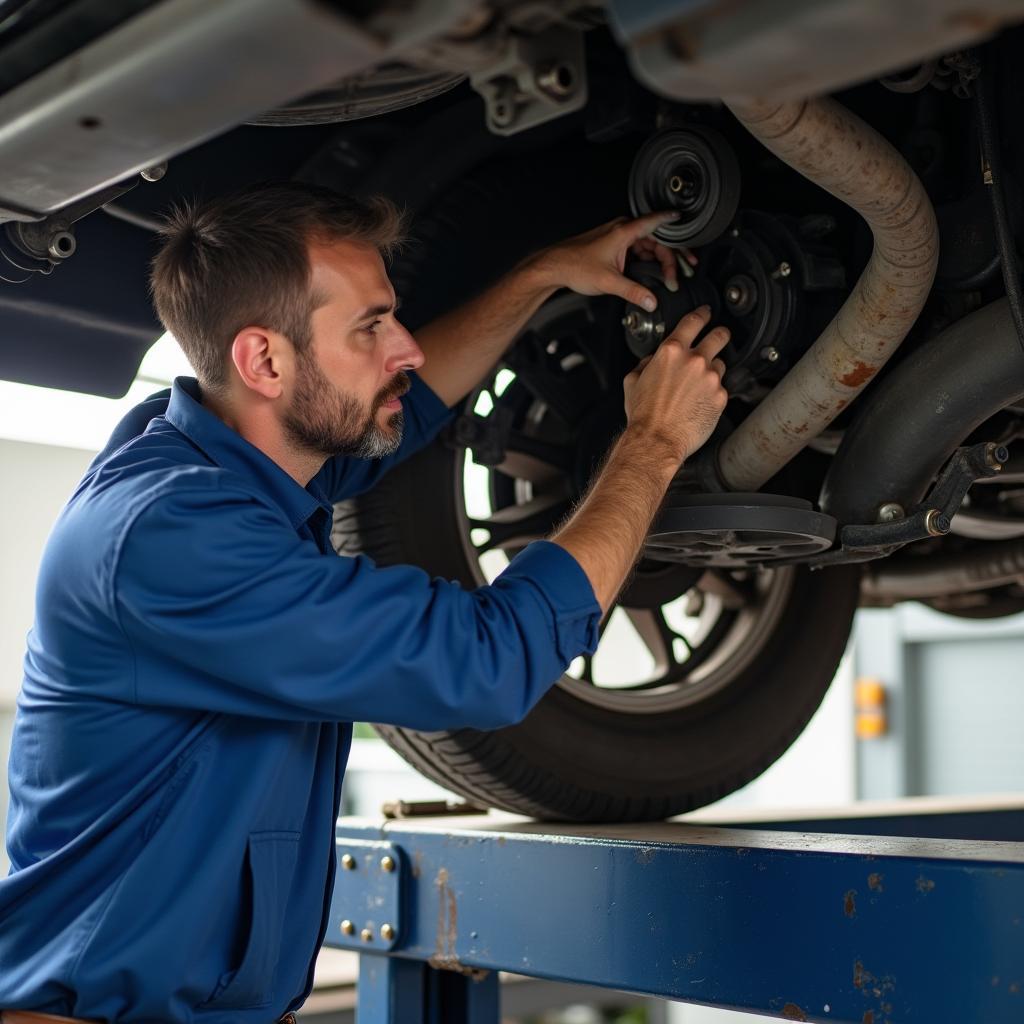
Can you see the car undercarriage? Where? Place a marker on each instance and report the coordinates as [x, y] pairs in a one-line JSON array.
[[846, 174]]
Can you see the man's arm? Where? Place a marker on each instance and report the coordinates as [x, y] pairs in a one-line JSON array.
[[673, 401], [463, 345]]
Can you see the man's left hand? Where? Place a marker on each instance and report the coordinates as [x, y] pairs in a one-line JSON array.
[[593, 263]]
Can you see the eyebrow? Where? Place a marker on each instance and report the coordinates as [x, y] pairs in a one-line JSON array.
[[379, 310]]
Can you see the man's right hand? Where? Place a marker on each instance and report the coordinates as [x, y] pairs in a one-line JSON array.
[[673, 401], [675, 397]]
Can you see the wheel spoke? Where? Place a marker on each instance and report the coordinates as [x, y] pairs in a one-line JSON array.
[[656, 634], [733, 593], [545, 382], [516, 525], [536, 461]]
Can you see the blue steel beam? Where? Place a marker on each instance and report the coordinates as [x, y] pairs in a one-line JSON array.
[[804, 926]]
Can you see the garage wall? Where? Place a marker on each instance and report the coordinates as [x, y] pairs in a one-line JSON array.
[[37, 480], [954, 703]]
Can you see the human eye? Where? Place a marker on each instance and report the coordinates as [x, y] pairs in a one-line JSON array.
[[372, 327]]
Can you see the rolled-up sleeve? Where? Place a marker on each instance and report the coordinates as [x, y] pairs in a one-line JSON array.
[[227, 610], [424, 415]]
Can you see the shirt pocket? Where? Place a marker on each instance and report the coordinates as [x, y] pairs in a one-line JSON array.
[[270, 863]]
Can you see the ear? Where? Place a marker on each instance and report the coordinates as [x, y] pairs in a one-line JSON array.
[[262, 360]]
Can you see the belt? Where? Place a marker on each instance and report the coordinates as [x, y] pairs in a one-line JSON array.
[[30, 1017]]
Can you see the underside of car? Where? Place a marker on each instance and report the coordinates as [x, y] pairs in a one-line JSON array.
[[847, 174]]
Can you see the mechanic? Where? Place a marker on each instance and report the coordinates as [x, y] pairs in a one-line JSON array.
[[199, 650]]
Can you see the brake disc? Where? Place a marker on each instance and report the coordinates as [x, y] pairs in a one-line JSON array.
[[736, 531]]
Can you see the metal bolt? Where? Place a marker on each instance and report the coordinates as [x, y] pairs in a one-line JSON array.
[[387, 863], [348, 862], [366, 935], [387, 933], [347, 927], [770, 353], [154, 173], [890, 511], [733, 294], [676, 183], [782, 270], [631, 321], [557, 80], [659, 328], [937, 524], [996, 455], [62, 245]]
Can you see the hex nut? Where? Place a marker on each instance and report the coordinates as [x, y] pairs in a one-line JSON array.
[[366, 935], [387, 863], [348, 862], [347, 927], [387, 933]]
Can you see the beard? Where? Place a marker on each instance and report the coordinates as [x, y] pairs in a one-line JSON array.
[[327, 421]]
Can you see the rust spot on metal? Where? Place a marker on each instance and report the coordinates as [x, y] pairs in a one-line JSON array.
[[974, 21], [850, 903], [793, 1012], [869, 1017], [859, 375], [875, 882], [860, 976], [445, 955], [924, 884]]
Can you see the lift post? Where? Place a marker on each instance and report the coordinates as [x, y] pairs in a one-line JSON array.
[[785, 919]]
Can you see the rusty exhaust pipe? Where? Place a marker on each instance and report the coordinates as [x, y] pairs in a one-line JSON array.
[[835, 149]]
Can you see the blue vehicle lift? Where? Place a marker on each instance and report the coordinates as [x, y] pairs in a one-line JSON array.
[[866, 920]]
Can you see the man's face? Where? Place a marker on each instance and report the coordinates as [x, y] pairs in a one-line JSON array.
[[347, 382]]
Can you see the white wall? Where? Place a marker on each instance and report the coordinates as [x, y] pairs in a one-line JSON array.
[[36, 479]]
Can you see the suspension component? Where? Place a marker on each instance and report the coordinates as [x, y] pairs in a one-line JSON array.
[[693, 171]]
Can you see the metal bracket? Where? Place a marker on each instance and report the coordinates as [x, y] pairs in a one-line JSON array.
[[932, 518], [538, 78], [366, 908]]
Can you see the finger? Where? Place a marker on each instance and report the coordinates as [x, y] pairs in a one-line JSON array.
[[625, 288], [647, 224], [713, 342], [667, 258], [689, 255], [719, 367], [691, 325]]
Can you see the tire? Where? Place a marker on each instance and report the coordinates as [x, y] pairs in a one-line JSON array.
[[570, 759]]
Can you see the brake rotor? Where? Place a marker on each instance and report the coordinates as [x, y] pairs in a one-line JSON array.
[[693, 171], [737, 531]]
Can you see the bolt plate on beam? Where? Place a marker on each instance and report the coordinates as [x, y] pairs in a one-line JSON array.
[[367, 901]]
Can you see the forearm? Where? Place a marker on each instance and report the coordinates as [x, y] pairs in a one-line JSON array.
[[606, 532], [463, 345]]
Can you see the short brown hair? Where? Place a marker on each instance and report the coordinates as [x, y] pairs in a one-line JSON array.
[[243, 259]]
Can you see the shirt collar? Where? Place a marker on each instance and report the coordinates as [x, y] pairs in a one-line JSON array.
[[229, 450]]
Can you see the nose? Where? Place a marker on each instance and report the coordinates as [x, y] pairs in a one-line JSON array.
[[406, 354]]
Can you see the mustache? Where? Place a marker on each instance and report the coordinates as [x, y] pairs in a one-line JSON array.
[[395, 389]]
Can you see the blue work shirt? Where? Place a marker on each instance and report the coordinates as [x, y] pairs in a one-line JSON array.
[[183, 725]]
